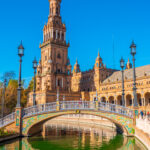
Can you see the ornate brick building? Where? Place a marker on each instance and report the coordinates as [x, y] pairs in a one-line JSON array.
[[54, 72]]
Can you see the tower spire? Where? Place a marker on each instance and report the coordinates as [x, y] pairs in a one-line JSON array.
[[98, 54], [76, 61], [55, 7]]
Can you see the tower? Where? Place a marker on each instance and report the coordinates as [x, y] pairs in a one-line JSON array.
[[76, 67], [99, 62], [97, 73], [55, 68], [76, 78]]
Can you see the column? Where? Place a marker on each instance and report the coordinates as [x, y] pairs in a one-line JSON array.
[[60, 35], [56, 82], [52, 33], [62, 82], [132, 101], [144, 102], [56, 34], [64, 36], [49, 34], [125, 102]]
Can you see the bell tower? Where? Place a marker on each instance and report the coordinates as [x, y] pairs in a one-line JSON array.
[[55, 69], [55, 7]]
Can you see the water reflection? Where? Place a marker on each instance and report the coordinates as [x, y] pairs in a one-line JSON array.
[[58, 135]]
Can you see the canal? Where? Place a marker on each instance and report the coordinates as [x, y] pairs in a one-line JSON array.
[[62, 134]]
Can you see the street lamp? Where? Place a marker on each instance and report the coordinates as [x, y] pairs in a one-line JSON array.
[[3, 98], [34, 86], [133, 52], [122, 67], [57, 95], [20, 54]]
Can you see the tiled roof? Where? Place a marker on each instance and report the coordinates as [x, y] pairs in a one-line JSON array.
[[128, 74]]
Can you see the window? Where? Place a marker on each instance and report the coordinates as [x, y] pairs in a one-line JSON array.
[[62, 36], [45, 57], [58, 35], [59, 56], [59, 82], [58, 71], [57, 11], [54, 35]]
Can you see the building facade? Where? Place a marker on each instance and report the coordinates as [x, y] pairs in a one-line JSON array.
[[55, 74]]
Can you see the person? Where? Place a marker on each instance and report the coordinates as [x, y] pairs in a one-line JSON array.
[[148, 115], [142, 114]]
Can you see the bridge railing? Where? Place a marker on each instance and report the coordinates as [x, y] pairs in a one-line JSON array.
[[78, 105], [112, 108], [68, 105], [7, 120], [74, 105], [38, 109]]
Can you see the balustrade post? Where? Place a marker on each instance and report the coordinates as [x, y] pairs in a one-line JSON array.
[[135, 115], [18, 121], [63, 105], [96, 105], [57, 105]]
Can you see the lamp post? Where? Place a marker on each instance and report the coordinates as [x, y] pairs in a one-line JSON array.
[[3, 98], [34, 86], [57, 95], [122, 67], [96, 96], [20, 54], [133, 52]]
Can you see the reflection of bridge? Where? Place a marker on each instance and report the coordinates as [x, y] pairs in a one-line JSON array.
[[22, 121]]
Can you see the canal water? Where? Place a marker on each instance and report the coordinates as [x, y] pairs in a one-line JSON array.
[[57, 135]]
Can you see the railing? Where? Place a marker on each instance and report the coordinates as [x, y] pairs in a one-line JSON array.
[[112, 108], [38, 109], [74, 105], [78, 105], [69, 105], [7, 120]]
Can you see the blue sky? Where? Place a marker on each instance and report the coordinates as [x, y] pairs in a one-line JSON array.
[[91, 26]]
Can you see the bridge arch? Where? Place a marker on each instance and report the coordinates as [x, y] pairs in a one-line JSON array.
[[33, 128], [121, 116]]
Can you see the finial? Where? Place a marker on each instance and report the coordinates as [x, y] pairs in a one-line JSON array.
[[98, 54], [76, 61], [128, 60]]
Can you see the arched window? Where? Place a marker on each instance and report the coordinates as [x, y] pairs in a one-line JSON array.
[[54, 35], [62, 36], [59, 82], [59, 56], [58, 35], [58, 71], [57, 11]]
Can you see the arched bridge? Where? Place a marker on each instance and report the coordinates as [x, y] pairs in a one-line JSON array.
[[23, 120]]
